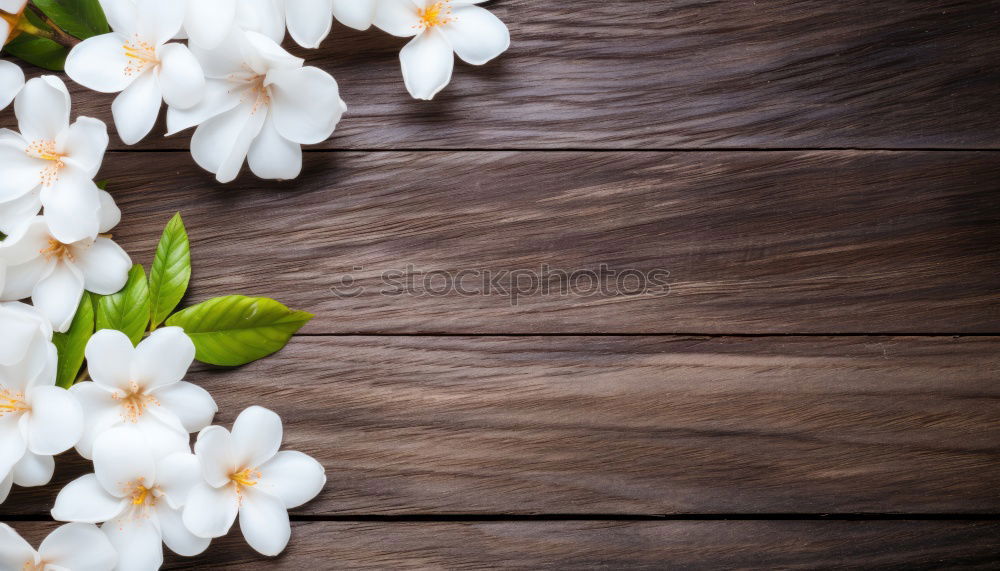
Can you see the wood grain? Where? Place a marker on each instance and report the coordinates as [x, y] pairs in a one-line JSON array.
[[681, 73], [628, 425], [611, 545], [775, 242]]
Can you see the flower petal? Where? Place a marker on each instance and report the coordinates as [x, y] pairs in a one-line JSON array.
[[158, 21], [5, 485], [84, 144], [397, 17], [309, 21], [122, 460], [135, 109], [137, 541], [210, 512], [99, 63], [217, 100], [476, 35], [162, 358], [11, 82], [176, 474], [34, 469], [15, 552], [262, 16], [22, 172], [71, 206], [20, 333], [58, 294], [78, 546], [357, 14], [220, 144], [177, 537], [109, 354], [272, 156], [207, 23], [264, 522], [109, 215], [12, 444], [22, 278], [85, 500], [256, 437], [427, 64], [19, 211], [192, 405], [305, 103], [25, 244], [215, 455], [55, 423], [292, 476], [121, 15], [42, 108], [101, 412], [163, 432], [104, 265], [181, 77]]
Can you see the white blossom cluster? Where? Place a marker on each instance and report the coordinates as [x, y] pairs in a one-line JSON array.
[[133, 420], [248, 99]]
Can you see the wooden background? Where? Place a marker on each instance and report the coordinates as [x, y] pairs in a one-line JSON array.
[[819, 387]]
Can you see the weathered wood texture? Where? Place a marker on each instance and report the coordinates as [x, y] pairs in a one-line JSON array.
[[629, 425], [787, 242], [683, 73], [610, 545]]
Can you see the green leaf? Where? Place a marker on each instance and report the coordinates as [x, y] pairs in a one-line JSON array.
[[38, 51], [171, 271], [71, 345], [101, 184], [235, 329], [128, 310], [80, 18]]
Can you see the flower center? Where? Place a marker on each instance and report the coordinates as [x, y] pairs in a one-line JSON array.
[[437, 14], [57, 250], [135, 402], [141, 494], [46, 150], [12, 402], [245, 478], [141, 55], [32, 566]]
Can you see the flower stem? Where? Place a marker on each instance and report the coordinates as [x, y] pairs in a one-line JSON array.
[[56, 34]]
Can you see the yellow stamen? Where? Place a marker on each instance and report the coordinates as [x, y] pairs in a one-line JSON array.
[[437, 14], [57, 250], [134, 402], [140, 54], [46, 150], [139, 495], [246, 477], [12, 402]]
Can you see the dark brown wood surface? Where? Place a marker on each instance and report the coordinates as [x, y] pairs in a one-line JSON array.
[[708, 545], [684, 73], [629, 425], [817, 387]]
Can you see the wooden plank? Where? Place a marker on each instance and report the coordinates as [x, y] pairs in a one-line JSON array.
[[610, 545], [775, 242], [683, 73], [628, 425]]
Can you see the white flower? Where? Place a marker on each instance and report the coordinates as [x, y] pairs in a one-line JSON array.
[[51, 162], [244, 473], [309, 21], [142, 387], [136, 496], [55, 273], [260, 105], [37, 418], [209, 23], [137, 60], [11, 82], [475, 35], [71, 547]]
